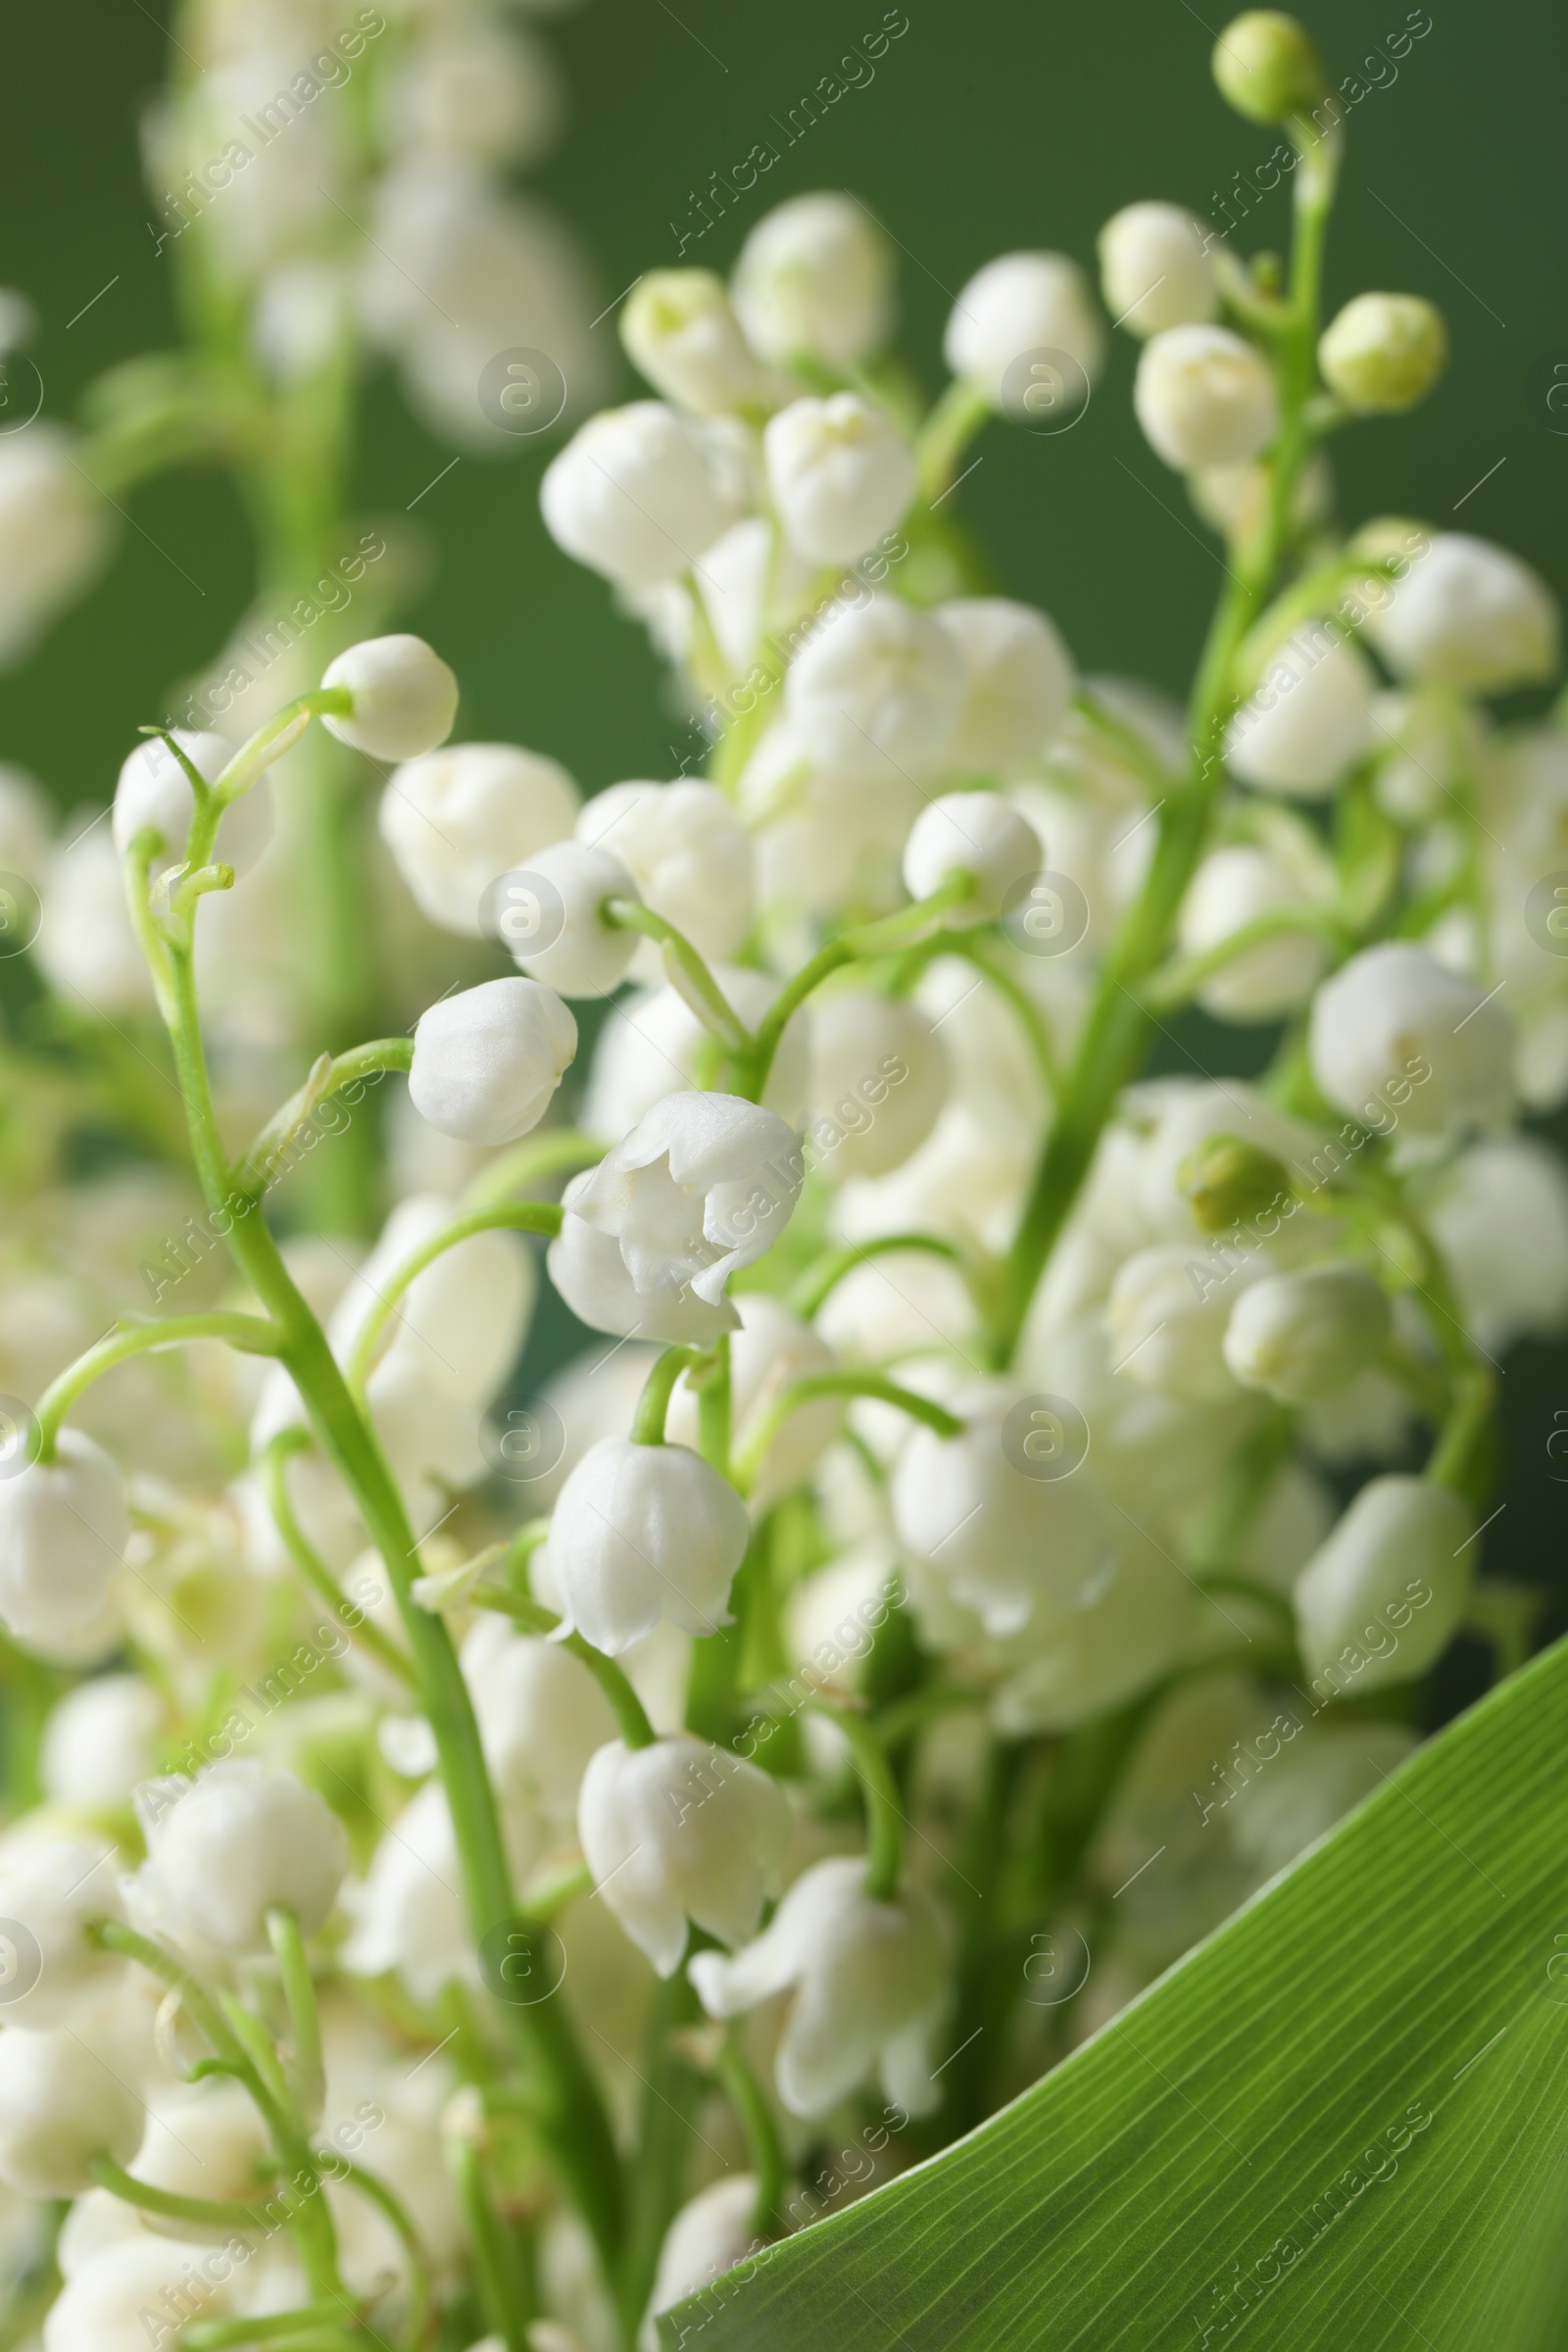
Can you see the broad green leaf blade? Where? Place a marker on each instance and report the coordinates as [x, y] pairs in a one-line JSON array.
[[1340, 2121]]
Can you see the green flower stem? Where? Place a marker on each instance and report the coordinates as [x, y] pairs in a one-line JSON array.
[[957, 415], [397, 2213], [1177, 982], [205, 2213], [572, 2111], [630, 1717], [762, 2143], [249, 1332], [895, 932], [499, 2274], [1459, 1458], [316, 2325], [884, 1820], [1428, 1389], [315, 1570], [1303, 600], [1116, 1033], [309, 2084], [715, 1407], [513, 1216], [330, 1074], [900, 1722], [826, 1272], [652, 1405], [559, 1151], [702, 992], [1129, 746], [753, 1452]]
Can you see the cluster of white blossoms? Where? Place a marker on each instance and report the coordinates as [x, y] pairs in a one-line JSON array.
[[974, 1427]]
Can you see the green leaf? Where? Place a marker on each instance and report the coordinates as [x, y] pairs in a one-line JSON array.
[[1340, 2122]]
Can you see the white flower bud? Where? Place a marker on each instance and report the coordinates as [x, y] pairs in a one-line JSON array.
[[234, 1844], [634, 495], [487, 1061], [1236, 885], [977, 833], [1309, 719], [1000, 1541], [680, 1831], [1501, 1224], [814, 280], [878, 687], [205, 2141], [108, 2301], [644, 1534], [1018, 683], [458, 818], [1154, 270], [871, 1985], [63, 1527], [1384, 352], [701, 1186], [1266, 68], [541, 1715], [1300, 1336], [1205, 398], [54, 1889], [679, 330], [879, 1077], [1167, 1319], [1396, 1035], [687, 852], [1235, 498], [1379, 1600], [1019, 303], [405, 697], [56, 530], [1468, 615], [86, 948], [588, 957], [708, 2235], [839, 473], [155, 791], [100, 1739], [62, 2107], [771, 1349]]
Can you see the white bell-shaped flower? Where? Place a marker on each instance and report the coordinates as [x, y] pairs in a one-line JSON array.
[[840, 474], [871, 1989], [100, 1739], [1205, 396], [879, 1078], [52, 1890], [557, 900], [681, 1830], [1167, 1320], [154, 791], [1001, 1539], [238, 1842], [700, 1188], [771, 1349], [1300, 1336], [1238, 884], [1309, 720], [1021, 303], [644, 1534], [86, 948], [63, 1527], [487, 1061], [686, 852], [541, 1715], [107, 2300], [457, 819], [710, 2236], [1154, 270], [636, 494], [877, 689], [62, 2107], [680, 331], [1018, 683], [1468, 615], [1381, 1599], [405, 697], [1396, 1035], [1501, 1223], [814, 280], [974, 833], [409, 1912]]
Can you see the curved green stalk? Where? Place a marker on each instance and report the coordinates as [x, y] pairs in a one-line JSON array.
[[252, 1334], [1176, 983], [631, 1718], [652, 1405], [509, 1216], [703, 992], [762, 2143], [751, 1455], [820, 1279], [329, 1075], [309, 2084], [559, 1151], [315, 1570], [884, 1820], [203, 2213]]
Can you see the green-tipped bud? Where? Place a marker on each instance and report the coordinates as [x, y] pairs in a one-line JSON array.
[[1384, 351], [1266, 67], [1230, 1182]]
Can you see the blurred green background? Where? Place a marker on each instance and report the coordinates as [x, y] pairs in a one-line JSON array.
[[988, 124]]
